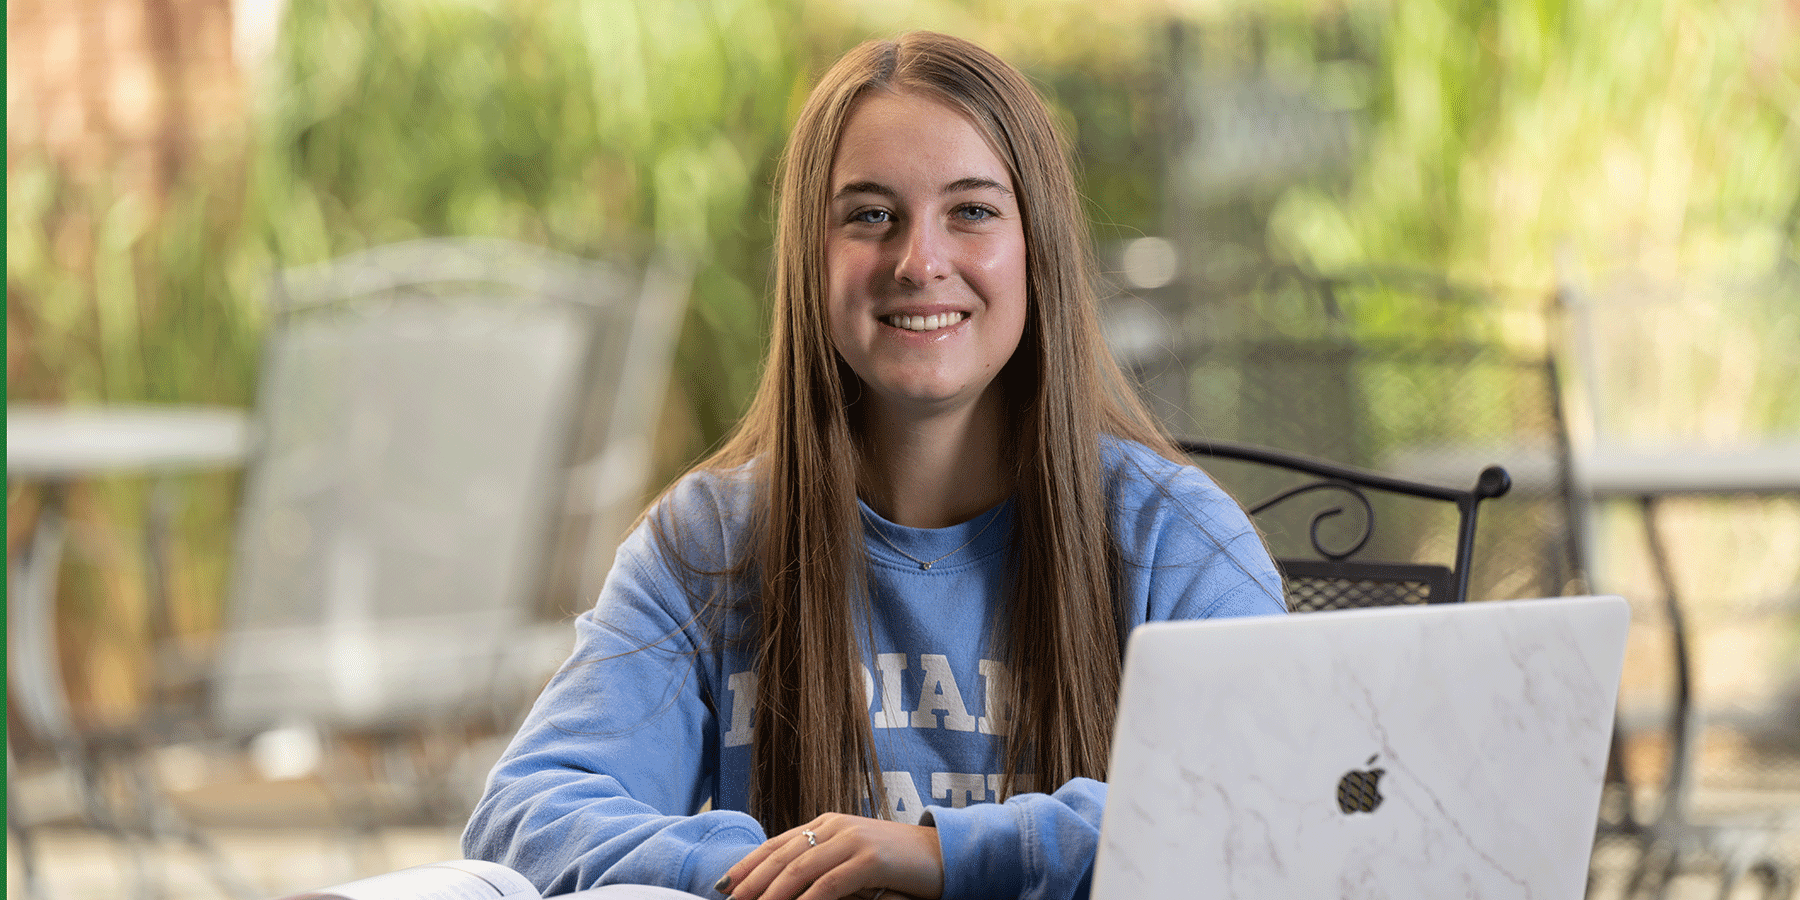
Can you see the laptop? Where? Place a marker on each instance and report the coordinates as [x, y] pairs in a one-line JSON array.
[[1411, 753]]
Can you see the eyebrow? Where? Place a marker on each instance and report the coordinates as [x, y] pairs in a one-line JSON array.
[[973, 183]]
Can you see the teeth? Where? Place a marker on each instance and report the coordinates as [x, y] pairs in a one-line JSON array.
[[925, 323]]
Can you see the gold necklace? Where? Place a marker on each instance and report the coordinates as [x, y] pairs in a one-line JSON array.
[[925, 565]]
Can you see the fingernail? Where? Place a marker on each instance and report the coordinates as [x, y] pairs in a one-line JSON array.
[[724, 885]]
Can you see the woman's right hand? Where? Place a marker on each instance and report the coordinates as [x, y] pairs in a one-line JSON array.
[[837, 856]]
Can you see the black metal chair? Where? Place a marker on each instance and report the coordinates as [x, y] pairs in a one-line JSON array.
[[1343, 577], [1392, 371]]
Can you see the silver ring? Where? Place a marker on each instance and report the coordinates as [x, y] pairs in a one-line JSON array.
[[812, 840]]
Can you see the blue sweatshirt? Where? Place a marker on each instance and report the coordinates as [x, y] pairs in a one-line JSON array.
[[606, 780]]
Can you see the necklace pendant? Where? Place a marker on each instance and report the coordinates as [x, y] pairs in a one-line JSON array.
[[924, 567]]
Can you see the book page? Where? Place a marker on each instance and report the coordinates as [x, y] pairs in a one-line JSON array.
[[462, 879]]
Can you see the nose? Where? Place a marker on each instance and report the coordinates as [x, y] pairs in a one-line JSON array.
[[923, 256]]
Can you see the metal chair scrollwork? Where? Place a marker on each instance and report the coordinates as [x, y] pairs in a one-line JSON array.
[[1343, 570]]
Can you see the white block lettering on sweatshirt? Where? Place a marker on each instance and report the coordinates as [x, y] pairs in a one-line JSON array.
[[903, 800], [940, 695], [743, 696], [959, 788], [956, 789], [941, 703], [892, 713]]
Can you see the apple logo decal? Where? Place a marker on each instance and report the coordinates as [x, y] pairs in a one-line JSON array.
[[1359, 790]]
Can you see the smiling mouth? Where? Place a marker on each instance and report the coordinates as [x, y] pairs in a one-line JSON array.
[[925, 323]]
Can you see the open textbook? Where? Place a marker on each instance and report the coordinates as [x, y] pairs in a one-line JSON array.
[[472, 879]]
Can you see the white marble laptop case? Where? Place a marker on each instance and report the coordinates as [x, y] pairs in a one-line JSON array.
[[1407, 752]]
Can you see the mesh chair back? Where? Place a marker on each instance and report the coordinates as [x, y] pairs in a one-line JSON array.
[[416, 413], [1401, 373], [1313, 586]]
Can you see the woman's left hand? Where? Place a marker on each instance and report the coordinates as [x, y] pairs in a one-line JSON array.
[[837, 856]]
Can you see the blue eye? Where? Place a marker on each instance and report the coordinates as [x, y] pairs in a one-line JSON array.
[[871, 216], [975, 212]]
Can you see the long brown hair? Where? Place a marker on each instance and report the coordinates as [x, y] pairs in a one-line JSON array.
[[1059, 630]]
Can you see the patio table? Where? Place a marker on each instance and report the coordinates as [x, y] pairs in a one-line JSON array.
[[1647, 476], [55, 447]]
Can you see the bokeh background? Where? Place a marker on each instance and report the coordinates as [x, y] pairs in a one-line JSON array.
[[164, 156]]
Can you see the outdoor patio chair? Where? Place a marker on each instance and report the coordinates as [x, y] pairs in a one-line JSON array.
[[111, 785], [1336, 574], [1399, 372], [431, 415], [434, 420]]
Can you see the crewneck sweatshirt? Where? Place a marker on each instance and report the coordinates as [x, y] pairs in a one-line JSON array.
[[634, 764]]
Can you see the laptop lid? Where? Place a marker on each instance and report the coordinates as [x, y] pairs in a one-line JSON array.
[[1454, 750]]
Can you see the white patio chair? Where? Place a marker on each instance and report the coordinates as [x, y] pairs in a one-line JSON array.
[[421, 410]]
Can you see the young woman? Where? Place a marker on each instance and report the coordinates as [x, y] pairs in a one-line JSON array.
[[872, 646]]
